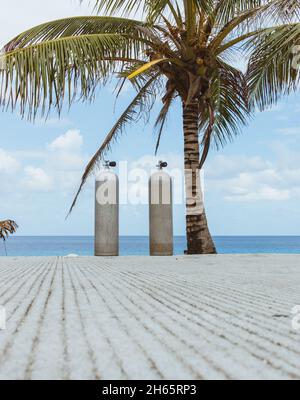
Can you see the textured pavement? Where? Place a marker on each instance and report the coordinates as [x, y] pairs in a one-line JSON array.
[[210, 317]]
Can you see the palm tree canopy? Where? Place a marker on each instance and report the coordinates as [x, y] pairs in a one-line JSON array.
[[169, 48], [7, 227]]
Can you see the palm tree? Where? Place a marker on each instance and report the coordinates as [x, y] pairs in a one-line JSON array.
[[7, 227], [170, 48]]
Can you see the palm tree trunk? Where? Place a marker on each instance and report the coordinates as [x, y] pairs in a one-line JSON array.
[[199, 240]]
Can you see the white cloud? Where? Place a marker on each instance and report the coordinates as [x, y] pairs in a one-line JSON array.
[[292, 176], [57, 167], [248, 179], [296, 108], [65, 152], [261, 193], [36, 179], [70, 141], [28, 154], [8, 164], [289, 131], [225, 167]]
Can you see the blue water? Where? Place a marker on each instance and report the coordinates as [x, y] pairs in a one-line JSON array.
[[138, 245]]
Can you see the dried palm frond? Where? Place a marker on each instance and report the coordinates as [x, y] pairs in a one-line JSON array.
[[7, 228]]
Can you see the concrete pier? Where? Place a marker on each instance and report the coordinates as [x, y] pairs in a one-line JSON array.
[[210, 317]]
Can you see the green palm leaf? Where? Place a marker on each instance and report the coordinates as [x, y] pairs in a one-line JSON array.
[[162, 116], [149, 7], [119, 6], [42, 75], [76, 26], [229, 103], [226, 10], [271, 72], [69, 58]]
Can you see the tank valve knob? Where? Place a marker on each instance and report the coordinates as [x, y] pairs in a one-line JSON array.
[[162, 164], [110, 164]]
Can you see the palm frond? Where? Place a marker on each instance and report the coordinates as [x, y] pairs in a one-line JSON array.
[[190, 14], [162, 117], [226, 10], [228, 109], [207, 137], [75, 26], [145, 67], [155, 10], [40, 76], [6, 228], [148, 8], [283, 10], [122, 7], [271, 72], [128, 116], [233, 24], [61, 59], [272, 10]]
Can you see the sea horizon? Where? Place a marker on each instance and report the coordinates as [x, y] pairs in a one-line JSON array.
[[138, 245], [214, 236]]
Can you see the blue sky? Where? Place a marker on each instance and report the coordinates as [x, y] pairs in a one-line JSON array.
[[252, 187]]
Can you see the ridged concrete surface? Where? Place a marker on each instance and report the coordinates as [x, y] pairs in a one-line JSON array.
[[226, 317]]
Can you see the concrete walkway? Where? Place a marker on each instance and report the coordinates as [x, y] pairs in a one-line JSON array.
[[209, 317]]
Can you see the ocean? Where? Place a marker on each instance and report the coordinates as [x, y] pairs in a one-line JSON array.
[[139, 245]]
